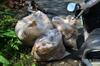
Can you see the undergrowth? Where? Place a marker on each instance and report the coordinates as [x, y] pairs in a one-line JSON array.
[[12, 51]]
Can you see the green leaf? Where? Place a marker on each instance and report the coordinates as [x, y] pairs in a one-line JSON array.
[[4, 61], [9, 33], [33, 64], [14, 46]]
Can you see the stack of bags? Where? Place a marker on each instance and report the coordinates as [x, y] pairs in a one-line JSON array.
[[49, 38]]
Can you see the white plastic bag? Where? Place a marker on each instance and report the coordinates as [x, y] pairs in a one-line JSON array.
[[49, 47], [67, 27], [32, 26]]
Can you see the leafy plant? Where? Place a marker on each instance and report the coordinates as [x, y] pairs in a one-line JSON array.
[[12, 51], [4, 61], [33, 64]]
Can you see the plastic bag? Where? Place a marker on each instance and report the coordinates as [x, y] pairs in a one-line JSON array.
[[49, 47], [67, 27], [32, 26]]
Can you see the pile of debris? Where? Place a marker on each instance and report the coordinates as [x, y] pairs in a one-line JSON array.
[[49, 38]]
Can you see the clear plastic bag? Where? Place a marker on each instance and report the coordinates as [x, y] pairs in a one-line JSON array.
[[32, 26], [66, 25], [49, 47]]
